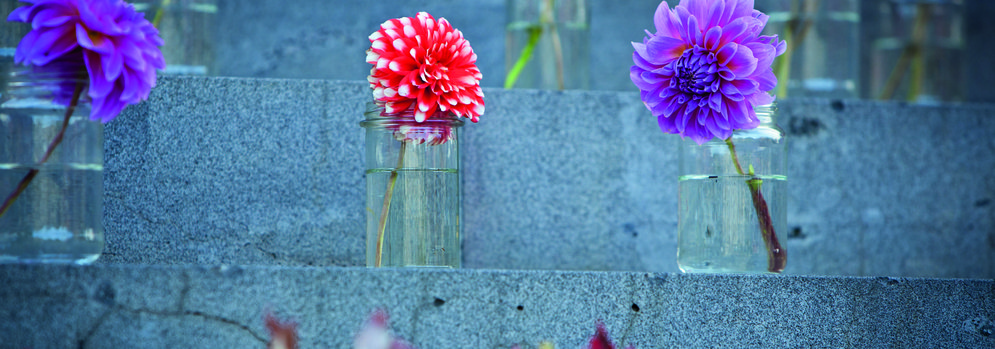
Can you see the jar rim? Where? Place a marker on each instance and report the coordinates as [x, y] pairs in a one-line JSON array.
[[375, 117]]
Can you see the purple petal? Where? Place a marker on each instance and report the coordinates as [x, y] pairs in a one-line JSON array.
[[734, 31], [694, 31], [112, 63], [726, 53], [739, 113], [661, 49], [761, 98], [666, 124], [712, 38], [47, 44], [49, 17], [99, 87], [666, 22], [20, 14], [742, 63], [694, 132], [746, 86], [696, 8], [84, 40], [764, 53], [766, 80], [714, 14], [715, 101], [739, 9], [132, 88]]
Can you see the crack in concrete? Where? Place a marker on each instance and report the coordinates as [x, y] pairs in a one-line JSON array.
[[635, 314], [111, 309], [93, 330], [268, 253], [199, 314]]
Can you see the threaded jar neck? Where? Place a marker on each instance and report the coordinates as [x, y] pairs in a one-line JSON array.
[[47, 87]]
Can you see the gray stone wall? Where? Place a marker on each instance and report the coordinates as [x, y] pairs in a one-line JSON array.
[[263, 171]]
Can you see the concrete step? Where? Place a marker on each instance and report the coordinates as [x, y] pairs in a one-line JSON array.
[[196, 306], [270, 172]]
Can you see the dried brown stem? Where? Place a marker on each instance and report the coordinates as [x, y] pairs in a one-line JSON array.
[[7, 203], [386, 204]]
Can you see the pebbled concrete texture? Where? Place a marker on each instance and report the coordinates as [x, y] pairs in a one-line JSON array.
[[223, 307], [262, 171]]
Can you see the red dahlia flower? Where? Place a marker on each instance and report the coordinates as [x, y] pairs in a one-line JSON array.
[[427, 65]]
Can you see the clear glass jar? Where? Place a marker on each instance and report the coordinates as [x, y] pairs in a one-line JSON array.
[[413, 190], [57, 218], [732, 198], [559, 32], [10, 36], [918, 51], [823, 46], [188, 30]]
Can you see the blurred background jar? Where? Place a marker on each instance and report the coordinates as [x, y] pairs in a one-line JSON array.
[[917, 51], [188, 29], [823, 46], [547, 44]]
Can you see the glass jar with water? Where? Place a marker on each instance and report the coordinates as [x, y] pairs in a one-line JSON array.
[[413, 189], [732, 198], [51, 170]]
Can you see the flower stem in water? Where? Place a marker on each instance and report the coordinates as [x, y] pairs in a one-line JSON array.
[[51, 148], [546, 18], [386, 203], [776, 256], [912, 55]]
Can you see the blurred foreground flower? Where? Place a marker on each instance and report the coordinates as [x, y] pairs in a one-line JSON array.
[[283, 335], [601, 339], [376, 334]]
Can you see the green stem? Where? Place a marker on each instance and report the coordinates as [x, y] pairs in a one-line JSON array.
[[546, 18], [911, 55], [386, 204], [919, 41], [159, 13], [793, 36], [535, 33], [777, 257], [7, 203]]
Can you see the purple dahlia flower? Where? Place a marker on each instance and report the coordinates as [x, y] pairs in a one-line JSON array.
[[706, 67], [119, 47]]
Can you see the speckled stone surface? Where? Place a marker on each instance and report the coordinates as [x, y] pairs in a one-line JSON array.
[[113, 306], [237, 171], [260, 171]]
